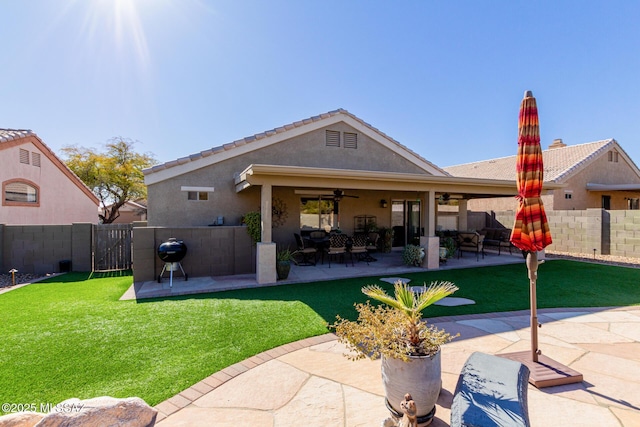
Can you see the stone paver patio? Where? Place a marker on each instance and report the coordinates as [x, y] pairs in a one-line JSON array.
[[311, 383]]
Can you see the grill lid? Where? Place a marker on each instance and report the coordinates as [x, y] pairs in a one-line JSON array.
[[173, 250]]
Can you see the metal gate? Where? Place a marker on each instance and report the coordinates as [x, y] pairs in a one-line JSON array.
[[112, 247]]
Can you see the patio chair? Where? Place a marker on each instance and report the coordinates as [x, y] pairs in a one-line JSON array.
[[337, 247], [359, 248], [470, 242], [305, 252], [372, 245]]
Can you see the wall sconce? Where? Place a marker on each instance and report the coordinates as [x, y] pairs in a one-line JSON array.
[[383, 203]]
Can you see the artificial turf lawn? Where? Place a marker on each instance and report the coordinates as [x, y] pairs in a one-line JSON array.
[[72, 337]]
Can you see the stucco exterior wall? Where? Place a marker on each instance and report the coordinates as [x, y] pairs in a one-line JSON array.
[[168, 206], [61, 201], [599, 171]]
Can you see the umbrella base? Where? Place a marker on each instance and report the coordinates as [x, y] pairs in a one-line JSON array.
[[546, 372]]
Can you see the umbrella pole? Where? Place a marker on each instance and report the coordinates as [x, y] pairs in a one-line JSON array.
[[532, 266]]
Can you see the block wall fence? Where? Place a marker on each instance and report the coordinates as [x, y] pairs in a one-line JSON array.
[[39, 249], [608, 232], [211, 251]]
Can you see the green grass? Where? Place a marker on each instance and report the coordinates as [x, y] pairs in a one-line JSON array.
[[71, 337]]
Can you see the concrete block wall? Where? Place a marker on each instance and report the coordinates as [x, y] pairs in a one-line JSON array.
[[40, 248], [211, 251], [614, 232], [35, 248], [625, 233]]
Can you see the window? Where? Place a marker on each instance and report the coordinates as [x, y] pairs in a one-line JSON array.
[[332, 138], [606, 202], [35, 159], [350, 140], [567, 195], [316, 213], [633, 204], [197, 195], [21, 193], [24, 156]]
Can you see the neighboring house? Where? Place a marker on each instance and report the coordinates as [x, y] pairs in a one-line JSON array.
[[37, 187], [131, 211], [328, 171], [592, 175]]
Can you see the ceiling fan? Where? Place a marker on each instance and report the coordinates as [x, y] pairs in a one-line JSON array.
[[338, 195]]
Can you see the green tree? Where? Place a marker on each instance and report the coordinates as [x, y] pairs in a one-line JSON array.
[[115, 175]]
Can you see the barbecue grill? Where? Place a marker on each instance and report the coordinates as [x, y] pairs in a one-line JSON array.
[[171, 252]]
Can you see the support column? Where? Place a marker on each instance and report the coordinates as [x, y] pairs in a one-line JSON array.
[[430, 242], [266, 250], [463, 224], [266, 263], [266, 212]]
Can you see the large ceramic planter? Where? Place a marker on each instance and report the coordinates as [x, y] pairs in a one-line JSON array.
[[282, 269], [421, 377]]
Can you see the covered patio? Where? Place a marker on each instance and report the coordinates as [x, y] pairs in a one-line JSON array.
[[369, 187]]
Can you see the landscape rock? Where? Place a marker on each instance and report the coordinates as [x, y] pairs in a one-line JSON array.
[[21, 419], [101, 412]]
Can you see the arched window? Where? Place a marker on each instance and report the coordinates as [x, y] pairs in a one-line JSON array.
[[20, 193]]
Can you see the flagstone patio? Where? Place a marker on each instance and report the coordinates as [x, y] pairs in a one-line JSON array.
[[311, 383]]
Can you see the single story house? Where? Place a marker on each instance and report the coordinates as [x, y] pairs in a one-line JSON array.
[[131, 211], [593, 175], [37, 187], [331, 171]]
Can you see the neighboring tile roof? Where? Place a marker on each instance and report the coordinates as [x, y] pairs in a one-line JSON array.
[[281, 129], [559, 163], [11, 134]]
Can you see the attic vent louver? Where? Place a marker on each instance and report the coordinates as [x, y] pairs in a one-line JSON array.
[[350, 140], [332, 138], [24, 156]]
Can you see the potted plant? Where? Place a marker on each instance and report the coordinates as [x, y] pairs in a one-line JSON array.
[[413, 255], [283, 263], [409, 348]]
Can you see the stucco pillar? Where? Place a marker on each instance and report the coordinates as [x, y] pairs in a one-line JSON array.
[[463, 224], [266, 263], [430, 242], [266, 250], [265, 213]]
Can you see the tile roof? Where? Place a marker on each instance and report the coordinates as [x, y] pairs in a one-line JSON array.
[[559, 163], [278, 130], [11, 134]]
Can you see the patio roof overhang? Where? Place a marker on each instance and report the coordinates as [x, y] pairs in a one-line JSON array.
[[308, 177], [612, 187]]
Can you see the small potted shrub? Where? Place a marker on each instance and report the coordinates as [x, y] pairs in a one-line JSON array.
[[283, 263], [409, 347], [413, 255]]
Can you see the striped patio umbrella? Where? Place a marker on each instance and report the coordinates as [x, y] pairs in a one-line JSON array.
[[530, 231]]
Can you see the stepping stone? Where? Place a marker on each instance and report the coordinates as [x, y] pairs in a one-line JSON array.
[[454, 302], [393, 280]]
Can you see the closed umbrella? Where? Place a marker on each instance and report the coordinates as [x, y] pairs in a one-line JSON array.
[[530, 231], [531, 234]]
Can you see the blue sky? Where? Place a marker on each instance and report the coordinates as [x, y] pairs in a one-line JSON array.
[[444, 78]]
